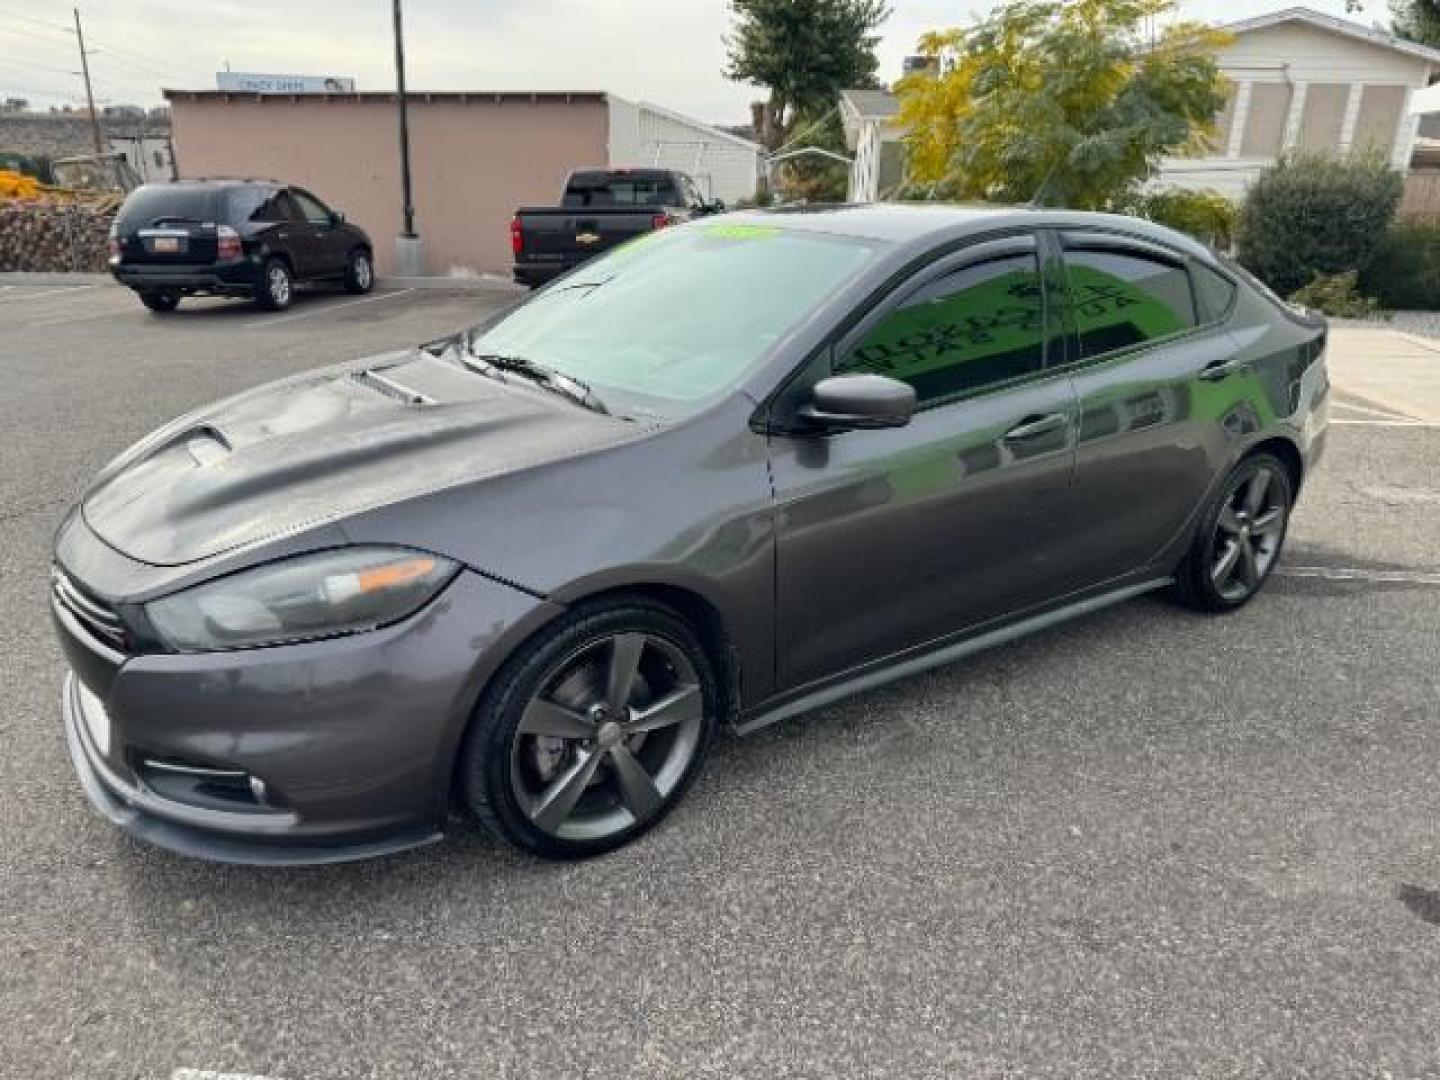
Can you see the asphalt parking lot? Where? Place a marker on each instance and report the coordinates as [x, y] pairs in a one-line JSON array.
[[1145, 844]]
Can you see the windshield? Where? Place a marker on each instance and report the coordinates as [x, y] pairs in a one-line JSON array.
[[670, 320]]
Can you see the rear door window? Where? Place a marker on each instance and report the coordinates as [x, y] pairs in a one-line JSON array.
[[1123, 299]]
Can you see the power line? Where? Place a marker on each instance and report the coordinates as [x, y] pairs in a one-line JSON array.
[[37, 67]]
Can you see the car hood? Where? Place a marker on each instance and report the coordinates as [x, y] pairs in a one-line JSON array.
[[310, 450]]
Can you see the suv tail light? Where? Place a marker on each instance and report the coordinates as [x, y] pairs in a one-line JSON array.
[[227, 243], [517, 238], [661, 221]]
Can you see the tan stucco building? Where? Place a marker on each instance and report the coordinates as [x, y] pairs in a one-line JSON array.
[[475, 157]]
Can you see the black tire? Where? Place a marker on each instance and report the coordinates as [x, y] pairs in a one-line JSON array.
[[1199, 582], [359, 272], [160, 302], [497, 756], [276, 290]]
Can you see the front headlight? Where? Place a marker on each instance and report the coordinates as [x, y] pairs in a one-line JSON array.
[[343, 591]]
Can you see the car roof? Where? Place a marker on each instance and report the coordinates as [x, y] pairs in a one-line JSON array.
[[921, 223]]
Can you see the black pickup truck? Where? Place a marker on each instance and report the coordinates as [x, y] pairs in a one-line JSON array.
[[600, 209]]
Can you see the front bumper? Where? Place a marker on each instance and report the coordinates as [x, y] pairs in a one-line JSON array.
[[352, 739]]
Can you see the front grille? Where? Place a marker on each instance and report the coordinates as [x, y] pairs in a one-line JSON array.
[[96, 616]]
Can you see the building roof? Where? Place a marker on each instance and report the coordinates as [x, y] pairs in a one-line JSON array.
[[710, 130], [871, 104], [1334, 25], [462, 96]]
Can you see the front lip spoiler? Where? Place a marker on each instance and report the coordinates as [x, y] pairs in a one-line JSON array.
[[122, 804]]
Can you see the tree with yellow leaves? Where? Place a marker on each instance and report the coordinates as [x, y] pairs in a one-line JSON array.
[[1068, 103]]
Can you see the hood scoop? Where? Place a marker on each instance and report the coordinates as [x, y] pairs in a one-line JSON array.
[[308, 451]]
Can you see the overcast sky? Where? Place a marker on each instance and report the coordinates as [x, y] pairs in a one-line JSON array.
[[670, 53]]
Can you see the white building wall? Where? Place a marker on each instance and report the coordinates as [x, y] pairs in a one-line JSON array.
[[722, 165], [1298, 54], [624, 138]]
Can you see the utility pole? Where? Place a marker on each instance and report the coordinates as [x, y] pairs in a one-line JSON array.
[[407, 246], [89, 94]]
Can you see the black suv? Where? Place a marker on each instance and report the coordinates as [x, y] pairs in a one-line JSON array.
[[233, 238]]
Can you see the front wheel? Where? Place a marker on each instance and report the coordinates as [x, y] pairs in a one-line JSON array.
[[1239, 539], [593, 731], [277, 285], [160, 302], [359, 272]]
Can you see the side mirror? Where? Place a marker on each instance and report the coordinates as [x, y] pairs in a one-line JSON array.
[[337, 217], [848, 402]]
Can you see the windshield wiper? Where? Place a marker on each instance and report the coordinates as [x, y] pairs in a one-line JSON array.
[[547, 377]]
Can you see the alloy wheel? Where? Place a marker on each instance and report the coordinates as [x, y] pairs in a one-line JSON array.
[[1248, 532], [605, 742], [278, 283], [361, 272]]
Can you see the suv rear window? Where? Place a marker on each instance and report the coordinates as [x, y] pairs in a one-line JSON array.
[[620, 189], [179, 202]]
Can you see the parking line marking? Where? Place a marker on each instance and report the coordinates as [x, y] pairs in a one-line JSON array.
[[208, 1074], [1349, 573], [1386, 423], [46, 294], [1383, 413], [325, 310]]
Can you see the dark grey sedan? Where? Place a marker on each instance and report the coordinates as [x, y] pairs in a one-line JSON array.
[[724, 474]]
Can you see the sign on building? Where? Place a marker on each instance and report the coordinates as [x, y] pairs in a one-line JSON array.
[[245, 82]]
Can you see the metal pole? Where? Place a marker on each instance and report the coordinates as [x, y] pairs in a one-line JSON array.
[[89, 95], [409, 206]]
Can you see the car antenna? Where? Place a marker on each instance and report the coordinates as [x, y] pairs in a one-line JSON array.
[[1034, 203]]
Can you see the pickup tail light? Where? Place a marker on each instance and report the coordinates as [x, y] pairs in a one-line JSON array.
[[661, 221], [517, 238], [227, 242]]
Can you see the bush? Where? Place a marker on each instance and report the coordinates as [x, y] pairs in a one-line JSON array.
[[1206, 215], [1404, 274], [1306, 216], [1337, 296]]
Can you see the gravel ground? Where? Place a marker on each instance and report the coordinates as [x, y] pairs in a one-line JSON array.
[[1422, 323], [1144, 844]]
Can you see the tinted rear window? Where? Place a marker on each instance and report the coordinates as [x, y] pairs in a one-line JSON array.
[[153, 201], [620, 189]]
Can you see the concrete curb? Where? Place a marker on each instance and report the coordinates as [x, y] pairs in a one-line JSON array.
[[486, 283], [42, 277], [489, 283]]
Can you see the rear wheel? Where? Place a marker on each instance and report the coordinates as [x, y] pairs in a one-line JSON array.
[[593, 731], [1238, 543], [277, 285], [359, 272], [160, 302]]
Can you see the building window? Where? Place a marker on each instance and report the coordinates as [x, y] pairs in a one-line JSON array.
[[1265, 125], [1379, 118], [1218, 144], [1323, 117]]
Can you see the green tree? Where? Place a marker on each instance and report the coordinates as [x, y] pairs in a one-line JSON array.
[[813, 177], [1414, 20], [1070, 103], [804, 52]]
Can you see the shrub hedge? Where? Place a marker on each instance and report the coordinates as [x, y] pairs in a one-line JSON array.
[[1404, 273], [1308, 216]]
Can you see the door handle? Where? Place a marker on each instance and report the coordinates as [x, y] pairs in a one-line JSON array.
[[1034, 426], [1220, 369]]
